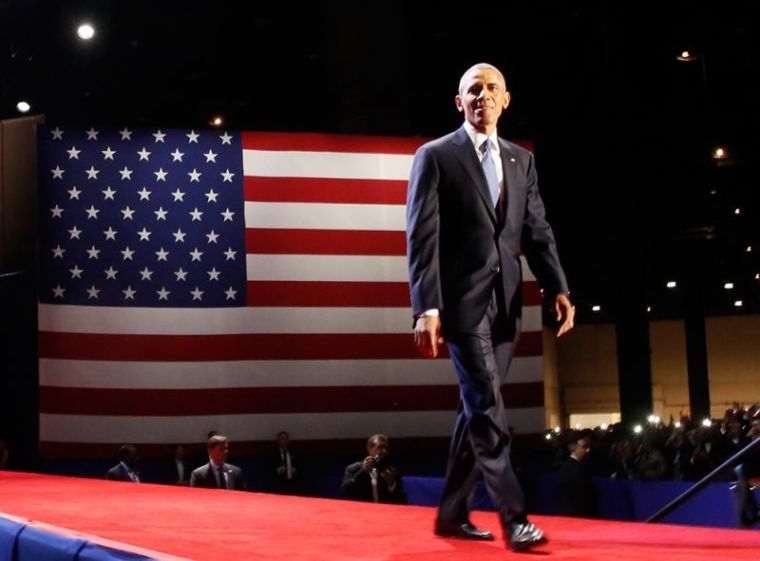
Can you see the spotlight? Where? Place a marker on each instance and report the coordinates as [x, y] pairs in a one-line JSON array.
[[707, 423], [686, 56], [23, 107], [637, 429], [671, 284], [748, 249], [738, 303], [603, 426], [216, 121], [86, 31], [548, 436], [557, 430], [720, 153], [729, 286], [677, 424], [596, 308], [737, 211]]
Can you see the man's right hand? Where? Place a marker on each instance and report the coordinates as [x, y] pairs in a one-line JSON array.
[[427, 335]]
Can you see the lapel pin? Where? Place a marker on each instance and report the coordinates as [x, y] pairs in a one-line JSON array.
[[512, 160]]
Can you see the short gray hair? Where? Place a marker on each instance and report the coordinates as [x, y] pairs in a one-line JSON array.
[[481, 66]]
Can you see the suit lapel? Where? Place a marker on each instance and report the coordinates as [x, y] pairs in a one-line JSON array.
[[511, 184], [465, 151]]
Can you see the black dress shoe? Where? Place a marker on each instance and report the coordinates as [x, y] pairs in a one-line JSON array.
[[523, 536], [462, 530]]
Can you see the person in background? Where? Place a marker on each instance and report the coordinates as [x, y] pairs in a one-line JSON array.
[[217, 473], [374, 479], [126, 469]]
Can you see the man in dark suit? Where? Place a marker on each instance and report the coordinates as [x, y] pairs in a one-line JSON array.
[[126, 469], [472, 206], [577, 494], [217, 473], [374, 479]]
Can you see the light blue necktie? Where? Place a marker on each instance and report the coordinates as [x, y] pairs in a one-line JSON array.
[[489, 168]]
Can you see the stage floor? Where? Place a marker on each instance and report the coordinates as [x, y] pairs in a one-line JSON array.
[[207, 524]]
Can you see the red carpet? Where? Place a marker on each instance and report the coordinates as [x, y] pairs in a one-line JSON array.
[[203, 524]]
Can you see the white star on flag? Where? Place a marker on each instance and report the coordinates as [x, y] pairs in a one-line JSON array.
[[73, 153], [92, 134], [159, 136], [76, 272], [144, 154], [57, 172], [108, 153], [126, 134]]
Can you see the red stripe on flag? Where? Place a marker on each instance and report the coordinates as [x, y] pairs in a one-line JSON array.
[[311, 190], [325, 242], [259, 448], [258, 346], [263, 400], [309, 142], [328, 294]]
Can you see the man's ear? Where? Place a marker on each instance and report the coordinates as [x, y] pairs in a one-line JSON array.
[[458, 101]]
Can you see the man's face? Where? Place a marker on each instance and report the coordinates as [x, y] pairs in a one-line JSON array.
[[380, 448], [582, 449], [219, 452], [483, 97], [283, 440]]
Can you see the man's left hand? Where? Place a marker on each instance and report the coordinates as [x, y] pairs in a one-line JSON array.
[[565, 313]]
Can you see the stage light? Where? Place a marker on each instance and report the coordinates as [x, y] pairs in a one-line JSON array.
[[729, 286], [737, 211], [557, 430], [738, 304], [686, 56], [757, 276], [649, 308], [637, 429], [596, 308], [749, 249], [23, 107], [707, 423], [216, 121], [671, 284], [603, 426], [548, 436], [653, 419], [677, 424], [720, 153], [86, 31]]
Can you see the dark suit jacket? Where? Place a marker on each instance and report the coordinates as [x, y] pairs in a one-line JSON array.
[[578, 495], [119, 473], [204, 477], [357, 485], [456, 242]]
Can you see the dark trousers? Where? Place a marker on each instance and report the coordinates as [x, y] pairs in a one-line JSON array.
[[480, 444]]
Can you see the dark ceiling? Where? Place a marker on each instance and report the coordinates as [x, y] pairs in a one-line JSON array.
[[623, 131]]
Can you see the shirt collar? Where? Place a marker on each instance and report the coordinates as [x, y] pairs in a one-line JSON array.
[[478, 137]]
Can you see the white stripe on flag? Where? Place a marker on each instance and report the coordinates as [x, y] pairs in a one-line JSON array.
[[304, 426], [321, 216], [340, 165], [264, 373], [229, 321], [348, 268]]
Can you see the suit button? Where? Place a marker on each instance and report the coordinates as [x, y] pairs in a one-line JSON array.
[[495, 269]]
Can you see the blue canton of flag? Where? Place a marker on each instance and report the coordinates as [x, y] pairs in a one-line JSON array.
[[141, 218]]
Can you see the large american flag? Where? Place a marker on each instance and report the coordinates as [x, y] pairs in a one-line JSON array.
[[242, 282]]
